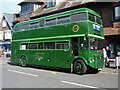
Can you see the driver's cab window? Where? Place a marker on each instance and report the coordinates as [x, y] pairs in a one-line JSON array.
[[84, 43]]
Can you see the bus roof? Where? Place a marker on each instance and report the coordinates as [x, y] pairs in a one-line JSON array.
[[60, 14]]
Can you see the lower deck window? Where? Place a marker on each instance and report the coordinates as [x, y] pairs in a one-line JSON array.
[[62, 45], [40, 45], [24, 46], [33, 46], [49, 45], [45, 45]]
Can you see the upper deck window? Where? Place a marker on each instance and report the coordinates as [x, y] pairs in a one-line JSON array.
[[65, 19], [94, 18], [91, 17], [98, 20], [50, 3], [42, 23], [25, 26], [33, 25], [17, 28], [78, 17], [50, 22]]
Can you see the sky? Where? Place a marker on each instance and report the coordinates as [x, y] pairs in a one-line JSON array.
[[9, 6]]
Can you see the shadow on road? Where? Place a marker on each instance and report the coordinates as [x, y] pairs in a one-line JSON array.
[[62, 70]]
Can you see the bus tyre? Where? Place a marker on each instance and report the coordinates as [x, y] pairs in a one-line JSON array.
[[79, 67], [95, 71], [23, 61]]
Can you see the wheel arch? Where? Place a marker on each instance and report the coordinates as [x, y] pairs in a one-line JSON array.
[[23, 56], [81, 58], [23, 61]]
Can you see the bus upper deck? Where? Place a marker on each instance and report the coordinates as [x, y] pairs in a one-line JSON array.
[[79, 21]]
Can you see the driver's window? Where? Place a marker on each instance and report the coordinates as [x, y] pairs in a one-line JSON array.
[[83, 42]]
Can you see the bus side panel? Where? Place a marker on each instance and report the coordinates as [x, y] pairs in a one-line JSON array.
[[58, 58], [48, 58], [15, 52], [53, 31]]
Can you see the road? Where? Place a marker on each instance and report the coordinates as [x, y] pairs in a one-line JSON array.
[[29, 77]]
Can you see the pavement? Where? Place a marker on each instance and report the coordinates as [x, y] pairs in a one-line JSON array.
[[103, 70], [110, 70]]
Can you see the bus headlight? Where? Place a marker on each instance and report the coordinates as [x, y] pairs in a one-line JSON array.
[[92, 60]]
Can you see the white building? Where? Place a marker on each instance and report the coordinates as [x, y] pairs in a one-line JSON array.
[[6, 33]]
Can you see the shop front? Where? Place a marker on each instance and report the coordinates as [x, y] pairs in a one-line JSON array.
[[5, 49]]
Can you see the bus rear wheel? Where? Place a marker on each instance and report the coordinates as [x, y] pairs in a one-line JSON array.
[[23, 61], [79, 67]]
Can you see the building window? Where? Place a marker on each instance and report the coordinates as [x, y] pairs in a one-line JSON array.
[[26, 8], [36, 6], [7, 34], [1, 35], [51, 3], [4, 23], [117, 12]]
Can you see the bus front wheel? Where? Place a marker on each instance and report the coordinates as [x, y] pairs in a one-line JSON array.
[[23, 61], [79, 67]]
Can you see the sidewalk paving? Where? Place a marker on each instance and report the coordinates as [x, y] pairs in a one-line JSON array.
[[110, 70]]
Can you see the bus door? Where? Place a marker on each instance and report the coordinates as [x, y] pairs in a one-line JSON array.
[[74, 46]]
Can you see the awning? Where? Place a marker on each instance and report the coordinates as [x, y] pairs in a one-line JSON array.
[[5, 45]]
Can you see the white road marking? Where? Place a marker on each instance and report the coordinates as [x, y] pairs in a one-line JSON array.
[[52, 72], [79, 84], [23, 73]]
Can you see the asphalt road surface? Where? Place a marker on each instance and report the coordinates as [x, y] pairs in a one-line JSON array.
[[29, 77]]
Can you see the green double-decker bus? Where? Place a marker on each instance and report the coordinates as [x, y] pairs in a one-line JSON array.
[[66, 40]]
